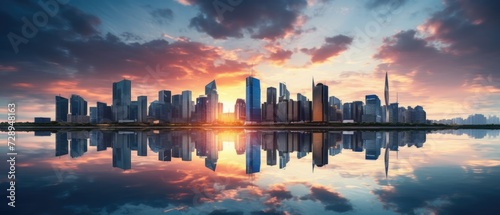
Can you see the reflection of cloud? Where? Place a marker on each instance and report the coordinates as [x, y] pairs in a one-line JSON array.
[[331, 199], [445, 189]]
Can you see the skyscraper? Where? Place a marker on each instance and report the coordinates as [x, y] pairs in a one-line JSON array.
[[186, 101], [284, 93], [386, 95], [373, 110], [78, 106], [121, 99], [357, 111], [240, 110], [142, 108], [165, 96], [61, 109], [253, 112], [269, 107], [212, 101], [320, 103], [200, 109]]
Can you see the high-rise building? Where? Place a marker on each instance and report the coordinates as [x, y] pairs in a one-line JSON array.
[[104, 114], [420, 115], [61, 109], [271, 95], [253, 109], [347, 111], [212, 102], [240, 110], [320, 103], [284, 93], [393, 113], [386, 95], [176, 108], [269, 107], [142, 108], [200, 109], [334, 101], [165, 96], [357, 111], [133, 111], [373, 110], [93, 114], [158, 111], [304, 108], [78, 106], [186, 101], [121, 99]]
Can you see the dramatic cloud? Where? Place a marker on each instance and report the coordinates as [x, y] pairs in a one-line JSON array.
[[333, 47], [261, 19], [455, 53], [69, 55]]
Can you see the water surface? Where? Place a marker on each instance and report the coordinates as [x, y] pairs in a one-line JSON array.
[[256, 172]]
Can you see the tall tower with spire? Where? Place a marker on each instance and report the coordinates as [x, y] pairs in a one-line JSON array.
[[386, 94]]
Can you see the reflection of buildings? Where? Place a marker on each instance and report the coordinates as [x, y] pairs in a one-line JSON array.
[[279, 146], [320, 149], [121, 150], [78, 145], [252, 152], [269, 145], [212, 150], [61, 143], [372, 142]]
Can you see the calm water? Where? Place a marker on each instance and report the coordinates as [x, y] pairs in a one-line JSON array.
[[255, 172]]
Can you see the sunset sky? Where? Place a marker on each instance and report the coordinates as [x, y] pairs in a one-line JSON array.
[[443, 55]]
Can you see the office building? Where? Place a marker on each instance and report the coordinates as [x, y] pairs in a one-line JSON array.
[[357, 111], [212, 102], [186, 109], [142, 108], [200, 109], [104, 113], [386, 96], [240, 110], [165, 96], [61, 109], [93, 115], [121, 99], [284, 93], [372, 112], [78, 106], [320, 103], [253, 108]]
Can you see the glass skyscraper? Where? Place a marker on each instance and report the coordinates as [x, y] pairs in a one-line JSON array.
[[121, 99], [61, 109], [320, 103], [78, 106], [253, 108]]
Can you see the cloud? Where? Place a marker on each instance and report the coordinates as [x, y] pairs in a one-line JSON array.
[[70, 49], [333, 47], [457, 48], [261, 19], [162, 15], [332, 200]]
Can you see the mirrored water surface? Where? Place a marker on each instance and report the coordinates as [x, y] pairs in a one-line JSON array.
[[255, 172]]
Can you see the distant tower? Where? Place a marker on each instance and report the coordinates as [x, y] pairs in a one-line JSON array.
[[386, 93]]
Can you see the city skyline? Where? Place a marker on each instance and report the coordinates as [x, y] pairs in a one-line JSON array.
[[176, 45]]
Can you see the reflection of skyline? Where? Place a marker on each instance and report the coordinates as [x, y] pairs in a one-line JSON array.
[[278, 146]]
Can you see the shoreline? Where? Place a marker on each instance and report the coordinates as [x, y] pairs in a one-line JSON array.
[[339, 127]]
